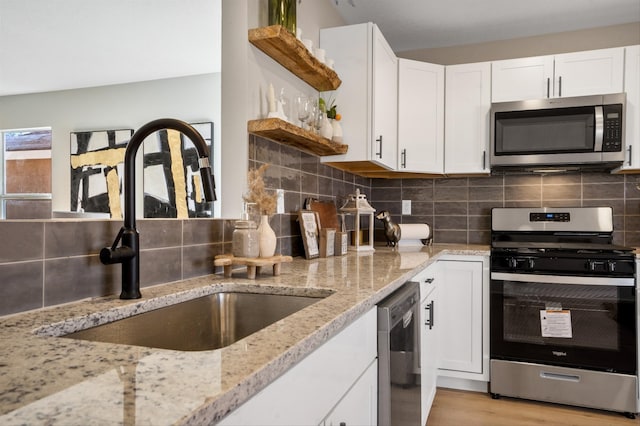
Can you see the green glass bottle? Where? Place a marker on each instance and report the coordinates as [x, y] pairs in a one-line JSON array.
[[283, 12]]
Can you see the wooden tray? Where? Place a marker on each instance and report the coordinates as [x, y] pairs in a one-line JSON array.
[[254, 265]]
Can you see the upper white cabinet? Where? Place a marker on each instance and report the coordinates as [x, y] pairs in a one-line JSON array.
[[632, 117], [590, 72], [368, 97], [520, 79], [468, 101], [420, 117]]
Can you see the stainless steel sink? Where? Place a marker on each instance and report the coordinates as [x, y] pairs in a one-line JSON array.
[[205, 323]]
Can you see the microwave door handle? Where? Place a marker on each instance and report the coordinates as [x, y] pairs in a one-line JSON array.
[[599, 130]]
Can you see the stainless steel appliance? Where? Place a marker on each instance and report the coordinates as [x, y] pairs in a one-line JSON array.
[[399, 358], [563, 309], [584, 132]]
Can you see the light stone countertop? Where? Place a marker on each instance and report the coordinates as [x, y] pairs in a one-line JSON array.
[[53, 380]]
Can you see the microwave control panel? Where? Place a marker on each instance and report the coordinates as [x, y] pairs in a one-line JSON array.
[[612, 132]]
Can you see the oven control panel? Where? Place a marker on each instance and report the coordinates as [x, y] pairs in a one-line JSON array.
[[549, 217]]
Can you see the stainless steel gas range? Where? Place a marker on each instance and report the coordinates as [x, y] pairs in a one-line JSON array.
[[563, 308]]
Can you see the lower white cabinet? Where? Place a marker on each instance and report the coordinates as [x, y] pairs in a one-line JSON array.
[[462, 318], [428, 339], [319, 388], [360, 405]]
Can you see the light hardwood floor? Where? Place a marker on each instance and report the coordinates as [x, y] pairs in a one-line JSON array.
[[461, 408]]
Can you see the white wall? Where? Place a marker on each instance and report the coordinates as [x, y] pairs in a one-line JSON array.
[[246, 74], [125, 106]]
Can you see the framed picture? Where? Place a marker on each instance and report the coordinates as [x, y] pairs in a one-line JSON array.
[[172, 182], [309, 231], [97, 170]]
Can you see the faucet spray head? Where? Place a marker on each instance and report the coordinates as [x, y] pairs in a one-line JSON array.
[[208, 183]]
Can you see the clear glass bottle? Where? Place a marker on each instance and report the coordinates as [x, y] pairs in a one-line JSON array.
[[283, 12], [245, 240]]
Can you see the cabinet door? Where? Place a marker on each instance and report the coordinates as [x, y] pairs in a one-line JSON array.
[[307, 392], [459, 316], [522, 79], [428, 350], [632, 116], [368, 96], [385, 102], [591, 72], [420, 117], [467, 108], [360, 405]]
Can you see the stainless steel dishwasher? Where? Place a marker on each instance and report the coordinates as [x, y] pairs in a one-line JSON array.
[[399, 358]]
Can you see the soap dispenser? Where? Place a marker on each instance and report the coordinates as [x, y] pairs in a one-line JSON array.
[[245, 241]]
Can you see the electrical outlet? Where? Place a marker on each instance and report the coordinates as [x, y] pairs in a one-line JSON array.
[[406, 207], [280, 201]]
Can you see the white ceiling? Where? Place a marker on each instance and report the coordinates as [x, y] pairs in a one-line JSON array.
[[422, 24]]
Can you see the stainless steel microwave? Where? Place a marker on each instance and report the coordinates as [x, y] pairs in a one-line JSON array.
[[585, 132]]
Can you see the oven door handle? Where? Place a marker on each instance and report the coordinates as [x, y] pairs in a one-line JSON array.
[[564, 279]]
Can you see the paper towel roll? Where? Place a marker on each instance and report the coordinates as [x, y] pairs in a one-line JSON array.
[[412, 234]]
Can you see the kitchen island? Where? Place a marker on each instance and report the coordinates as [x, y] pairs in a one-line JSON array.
[[54, 380]]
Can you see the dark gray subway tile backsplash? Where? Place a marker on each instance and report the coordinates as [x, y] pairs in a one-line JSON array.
[[44, 263], [459, 211]]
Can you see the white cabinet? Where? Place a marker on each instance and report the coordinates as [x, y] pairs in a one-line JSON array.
[[428, 339], [310, 390], [368, 96], [632, 117], [359, 405], [462, 318], [468, 101], [420, 117], [520, 79], [591, 72]]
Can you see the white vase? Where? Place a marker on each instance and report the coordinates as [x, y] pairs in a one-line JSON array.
[[268, 238], [337, 131], [326, 130]]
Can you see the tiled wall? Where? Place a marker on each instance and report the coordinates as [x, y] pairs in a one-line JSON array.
[[44, 263], [301, 176], [459, 209]]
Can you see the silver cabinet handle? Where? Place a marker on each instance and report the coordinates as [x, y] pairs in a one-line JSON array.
[[548, 87], [429, 321], [630, 158], [379, 153], [403, 158], [560, 86], [484, 160]]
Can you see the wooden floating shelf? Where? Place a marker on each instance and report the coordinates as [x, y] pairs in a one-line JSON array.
[[289, 52], [281, 131]]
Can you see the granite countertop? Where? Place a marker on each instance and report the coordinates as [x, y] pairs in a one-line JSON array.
[[53, 380]]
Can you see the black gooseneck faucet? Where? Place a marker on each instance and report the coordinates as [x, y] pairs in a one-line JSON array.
[[128, 253]]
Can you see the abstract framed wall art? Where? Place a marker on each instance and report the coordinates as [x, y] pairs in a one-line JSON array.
[[172, 182], [97, 170]]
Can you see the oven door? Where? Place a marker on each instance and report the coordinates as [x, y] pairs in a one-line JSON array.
[[580, 322]]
